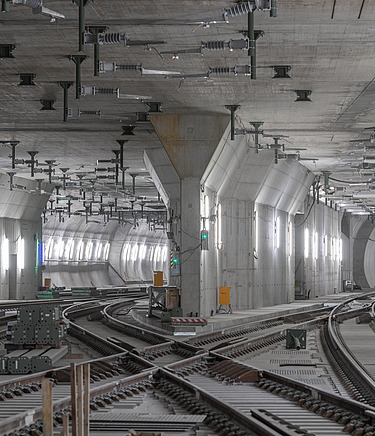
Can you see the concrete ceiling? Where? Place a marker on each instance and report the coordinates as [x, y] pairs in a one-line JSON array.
[[329, 46]]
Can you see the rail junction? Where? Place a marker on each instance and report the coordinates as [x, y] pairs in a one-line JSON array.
[[123, 375]]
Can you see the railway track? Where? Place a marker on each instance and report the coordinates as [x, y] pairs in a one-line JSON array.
[[234, 398]]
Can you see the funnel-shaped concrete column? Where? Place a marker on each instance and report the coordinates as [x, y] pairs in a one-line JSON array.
[[190, 141]]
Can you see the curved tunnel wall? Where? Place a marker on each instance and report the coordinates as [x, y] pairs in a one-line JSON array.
[[369, 260], [364, 255], [77, 254]]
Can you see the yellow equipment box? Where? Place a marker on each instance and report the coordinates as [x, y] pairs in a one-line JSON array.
[[224, 295], [158, 278]]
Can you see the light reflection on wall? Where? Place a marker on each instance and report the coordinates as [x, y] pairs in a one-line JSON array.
[[74, 250]]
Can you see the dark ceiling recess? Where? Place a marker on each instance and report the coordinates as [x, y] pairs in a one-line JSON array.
[[155, 106], [303, 94], [6, 50], [27, 79], [47, 105], [127, 130], [281, 71]]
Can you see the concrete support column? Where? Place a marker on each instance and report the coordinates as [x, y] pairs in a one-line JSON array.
[[190, 142], [190, 246]]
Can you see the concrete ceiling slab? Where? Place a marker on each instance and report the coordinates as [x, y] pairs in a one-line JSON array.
[[328, 45]]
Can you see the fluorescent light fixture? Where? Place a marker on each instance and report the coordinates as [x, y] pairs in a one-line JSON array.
[[106, 251], [5, 253], [21, 253], [206, 206], [68, 247], [134, 255], [89, 246], [325, 244], [59, 249], [277, 236], [71, 251], [142, 252], [315, 245], [219, 228], [126, 252], [290, 237], [98, 250], [333, 248], [157, 254], [165, 253], [256, 232], [80, 250], [307, 248], [340, 250], [50, 250]]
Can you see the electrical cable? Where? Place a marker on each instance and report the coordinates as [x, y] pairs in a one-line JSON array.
[[191, 249], [312, 205], [157, 51], [348, 182], [190, 236], [182, 262]]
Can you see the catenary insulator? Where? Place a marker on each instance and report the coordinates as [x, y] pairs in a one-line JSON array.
[[246, 7], [111, 38], [115, 91], [113, 66], [135, 67], [232, 44], [30, 3], [84, 112], [214, 45], [221, 70], [238, 69]]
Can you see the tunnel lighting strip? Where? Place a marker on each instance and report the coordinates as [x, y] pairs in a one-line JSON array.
[[277, 235], [71, 252], [315, 245], [307, 237], [325, 244], [106, 251], [21, 253], [134, 252], [5, 253]]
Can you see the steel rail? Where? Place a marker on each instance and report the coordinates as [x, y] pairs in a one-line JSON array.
[[246, 421], [27, 417], [248, 345], [358, 375], [318, 398], [128, 328]]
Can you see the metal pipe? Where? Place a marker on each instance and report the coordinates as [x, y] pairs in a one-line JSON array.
[[232, 109], [81, 9], [78, 79], [78, 59], [250, 32], [13, 145], [253, 63], [65, 86], [96, 59]]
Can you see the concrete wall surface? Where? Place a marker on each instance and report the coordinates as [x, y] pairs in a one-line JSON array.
[[362, 240], [319, 250]]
